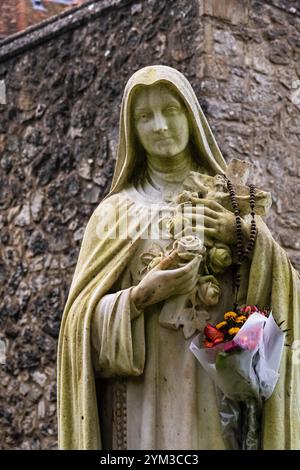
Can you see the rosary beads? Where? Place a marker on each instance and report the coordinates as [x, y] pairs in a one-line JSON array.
[[241, 253]]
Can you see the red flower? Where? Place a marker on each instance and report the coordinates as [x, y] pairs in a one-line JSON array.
[[247, 309], [208, 344], [213, 336]]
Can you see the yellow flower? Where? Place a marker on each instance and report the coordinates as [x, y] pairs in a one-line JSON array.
[[229, 315], [234, 330], [240, 319], [221, 324]]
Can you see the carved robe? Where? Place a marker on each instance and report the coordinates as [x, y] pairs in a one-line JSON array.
[[153, 394]]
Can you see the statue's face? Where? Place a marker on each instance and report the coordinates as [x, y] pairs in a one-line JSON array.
[[161, 121]]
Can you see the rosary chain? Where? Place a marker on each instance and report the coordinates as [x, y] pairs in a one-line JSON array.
[[241, 253]]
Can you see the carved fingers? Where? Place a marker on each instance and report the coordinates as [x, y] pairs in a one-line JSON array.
[[207, 219]]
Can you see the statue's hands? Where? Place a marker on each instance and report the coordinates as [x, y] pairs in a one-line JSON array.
[[211, 219], [161, 283]]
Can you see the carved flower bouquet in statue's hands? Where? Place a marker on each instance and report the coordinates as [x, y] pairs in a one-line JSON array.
[[180, 310], [242, 355], [189, 311]]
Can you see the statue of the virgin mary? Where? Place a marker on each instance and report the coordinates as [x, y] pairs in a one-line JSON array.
[[127, 379]]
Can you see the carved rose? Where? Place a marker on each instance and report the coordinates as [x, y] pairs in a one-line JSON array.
[[155, 262], [209, 293], [219, 258], [188, 247], [185, 196]]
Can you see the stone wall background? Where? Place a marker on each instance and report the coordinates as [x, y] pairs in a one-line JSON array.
[[249, 67], [58, 137]]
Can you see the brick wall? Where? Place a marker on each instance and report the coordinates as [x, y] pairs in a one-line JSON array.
[[16, 15]]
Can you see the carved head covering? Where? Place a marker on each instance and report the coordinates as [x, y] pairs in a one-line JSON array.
[[208, 151]]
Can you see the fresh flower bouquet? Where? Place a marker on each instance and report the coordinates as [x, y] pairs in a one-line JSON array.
[[242, 355]]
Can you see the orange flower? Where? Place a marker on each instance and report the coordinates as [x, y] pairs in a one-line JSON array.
[[221, 324], [229, 315], [234, 330], [240, 319]]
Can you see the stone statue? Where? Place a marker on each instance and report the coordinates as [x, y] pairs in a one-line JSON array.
[[126, 376]]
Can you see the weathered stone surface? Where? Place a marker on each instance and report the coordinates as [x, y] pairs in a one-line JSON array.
[[58, 144], [37, 205], [234, 11], [37, 243], [24, 217], [39, 378]]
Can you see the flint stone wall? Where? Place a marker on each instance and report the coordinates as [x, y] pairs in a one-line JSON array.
[[58, 137]]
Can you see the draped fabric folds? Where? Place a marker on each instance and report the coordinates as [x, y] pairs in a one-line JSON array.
[[102, 260]]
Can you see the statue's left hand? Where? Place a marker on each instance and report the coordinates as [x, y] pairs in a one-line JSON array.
[[213, 219]]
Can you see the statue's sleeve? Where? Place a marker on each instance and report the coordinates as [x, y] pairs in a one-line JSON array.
[[118, 342]]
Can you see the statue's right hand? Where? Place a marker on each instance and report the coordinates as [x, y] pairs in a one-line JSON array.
[[161, 283]]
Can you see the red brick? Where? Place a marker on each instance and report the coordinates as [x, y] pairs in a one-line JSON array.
[[17, 15]]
